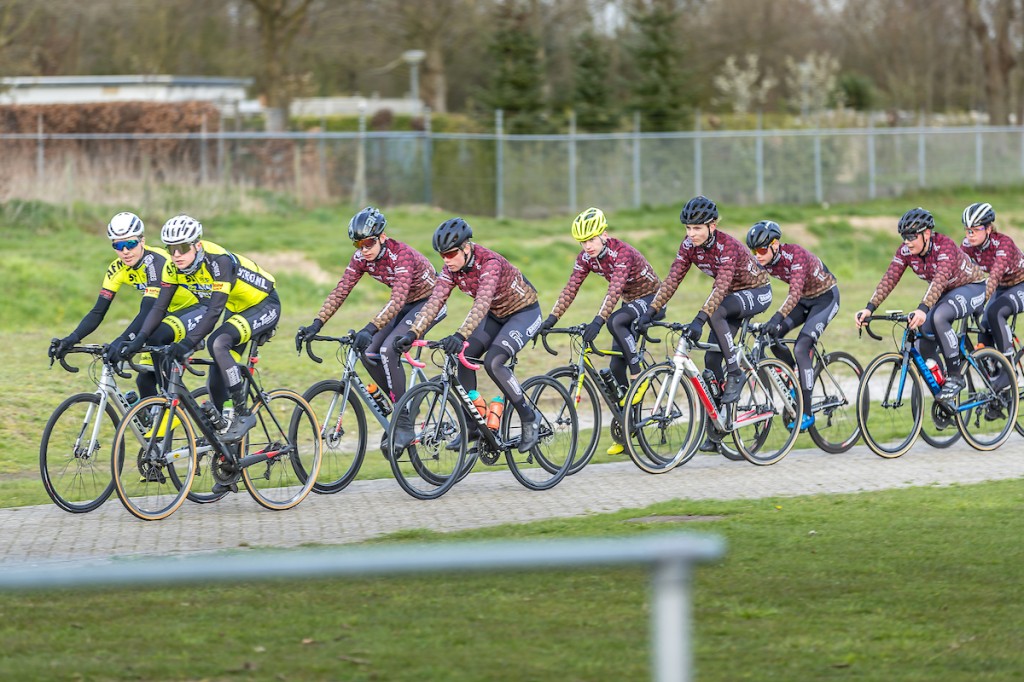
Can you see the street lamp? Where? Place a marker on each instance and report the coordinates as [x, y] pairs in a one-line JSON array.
[[413, 59]]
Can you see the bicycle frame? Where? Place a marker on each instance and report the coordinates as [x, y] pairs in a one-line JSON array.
[[818, 360]]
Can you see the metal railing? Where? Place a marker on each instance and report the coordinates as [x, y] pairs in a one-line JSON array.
[[511, 175], [670, 556]]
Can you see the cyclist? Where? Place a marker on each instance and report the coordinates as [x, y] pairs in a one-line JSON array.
[[138, 266], [403, 269], [997, 255], [955, 290], [223, 281], [813, 300], [741, 289], [504, 316], [630, 277]]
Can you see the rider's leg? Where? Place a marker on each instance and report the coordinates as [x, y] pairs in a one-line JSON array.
[[726, 319], [516, 331], [820, 311], [953, 305]]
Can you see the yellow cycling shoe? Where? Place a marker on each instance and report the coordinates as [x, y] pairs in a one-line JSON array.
[[616, 449], [641, 391], [163, 426]]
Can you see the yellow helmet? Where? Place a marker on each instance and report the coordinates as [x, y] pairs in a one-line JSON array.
[[589, 224]]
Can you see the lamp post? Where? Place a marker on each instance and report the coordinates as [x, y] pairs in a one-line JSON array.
[[413, 59]]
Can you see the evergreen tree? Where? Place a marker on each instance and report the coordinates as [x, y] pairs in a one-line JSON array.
[[517, 76], [658, 86], [593, 97]]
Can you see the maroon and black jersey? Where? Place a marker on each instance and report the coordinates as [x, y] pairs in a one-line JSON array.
[[629, 277], [494, 284], [405, 270], [726, 259], [804, 272], [1000, 258], [945, 266]]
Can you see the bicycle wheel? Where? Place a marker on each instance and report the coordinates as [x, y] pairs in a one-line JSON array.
[[343, 425], [286, 446], [836, 379], [1018, 366], [938, 425], [202, 483], [73, 453], [890, 405], [588, 412], [544, 465], [663, 424], [987, 407], [153, 466], [427, 468], [766, 418]]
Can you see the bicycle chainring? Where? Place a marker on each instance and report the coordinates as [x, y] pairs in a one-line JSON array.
[[223, 470], [618, 435], [941, 415]]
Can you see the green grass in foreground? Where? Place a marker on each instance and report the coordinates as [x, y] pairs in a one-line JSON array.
[[916, 584]]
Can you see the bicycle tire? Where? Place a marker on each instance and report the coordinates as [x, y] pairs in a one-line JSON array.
[[427, 469], [773, 397], [1018, 367], [344, 438], [76, 480], [287, 430], [661, 425], [202, 483], [841, 430], [142, 479], [588, 412], [884, 424], [544, 465], [990, 422]]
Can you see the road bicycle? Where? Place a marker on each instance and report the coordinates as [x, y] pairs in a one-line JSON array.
[[891, 397], [672, 399], [341, 405], [589, 387], [443, 452], [277, 460], [76, 441]]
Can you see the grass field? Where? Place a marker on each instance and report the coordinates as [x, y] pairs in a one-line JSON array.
[[54, 258]]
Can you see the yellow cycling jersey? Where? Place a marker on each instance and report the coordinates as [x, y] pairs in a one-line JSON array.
[[245, 283], [145, 277]]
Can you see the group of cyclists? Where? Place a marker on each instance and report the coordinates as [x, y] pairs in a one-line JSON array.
[[191, 283]]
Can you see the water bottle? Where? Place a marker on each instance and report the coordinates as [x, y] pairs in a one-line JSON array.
[[494, 411], [130, 398], [612, 384], [712, 383], [228, 413], [936, 371], [382, 400], [481, 404], [209, 411]]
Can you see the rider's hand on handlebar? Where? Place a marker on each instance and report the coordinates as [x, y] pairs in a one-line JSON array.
[[132, 347], [694, 330], [403, 343], [773, 328], [644, 322], [181, 350], [548, 323], [113, 352], [58, 347], [363, 338], [916, 319], [307, 332], [591, 331], [452, 344], [860, 316]]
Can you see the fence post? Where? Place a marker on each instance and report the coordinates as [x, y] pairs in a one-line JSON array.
[[871, 158], [428, 158], [202, 151], [979, 156], [759, 157], [359, 191], [499, 189], [670, 615], [698, 160], [40, 150], [321, 154], [819, 186], [220, 147], [921, 153], [573, 202], [637, 197]]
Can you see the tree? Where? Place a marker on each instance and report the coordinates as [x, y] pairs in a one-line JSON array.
[[658, 83], [811, 82], [593, 98], [991, 23], [517, 76], [279, 22], [744, 86]]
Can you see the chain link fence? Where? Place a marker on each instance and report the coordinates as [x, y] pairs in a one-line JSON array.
[[521, 176]]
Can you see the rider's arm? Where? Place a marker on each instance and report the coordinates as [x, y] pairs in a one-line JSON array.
[[428, 313], [223, 282], [344, 287], [675, 276], [797, 282], [579, 273], [616, 285], [889, 280], [945, 267], [94, 317], [490, 276]]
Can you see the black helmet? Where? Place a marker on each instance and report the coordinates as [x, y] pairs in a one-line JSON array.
[[367, 223], [698, 211], [763, 233], [451, 234], [915, 221], [979, 215]]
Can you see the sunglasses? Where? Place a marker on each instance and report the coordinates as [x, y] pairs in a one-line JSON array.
[[972, 230], [177, 249], [907, 238], [126, 244], [761, 250], [448, 255], [364, 243]]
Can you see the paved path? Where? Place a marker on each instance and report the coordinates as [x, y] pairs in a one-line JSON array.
[[367, 509]]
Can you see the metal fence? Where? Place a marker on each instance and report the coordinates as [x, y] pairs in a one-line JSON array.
[[670, 556], [519, 176]]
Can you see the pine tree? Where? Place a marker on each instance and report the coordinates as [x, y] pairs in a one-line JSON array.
[[516, 83], [593, 97], [658, 86]]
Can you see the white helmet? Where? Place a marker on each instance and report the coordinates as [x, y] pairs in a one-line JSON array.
[[181, 229], [124, 226]]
